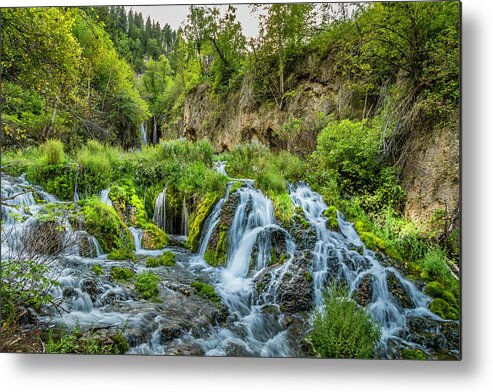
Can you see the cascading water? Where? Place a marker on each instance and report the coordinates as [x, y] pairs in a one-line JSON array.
[[159, 217], [335, 257], [254, 321], [185, 215], [252, 331], [143, 134], [76, 186], [104, 196]]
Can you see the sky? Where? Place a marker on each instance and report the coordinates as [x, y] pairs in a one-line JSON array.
[[175, 15]]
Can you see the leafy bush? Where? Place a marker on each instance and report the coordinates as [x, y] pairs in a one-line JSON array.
[[147, 285], [78, 342], [52, 152], [342, 329]]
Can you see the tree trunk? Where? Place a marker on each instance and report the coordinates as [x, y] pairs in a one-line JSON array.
[[52, 121]]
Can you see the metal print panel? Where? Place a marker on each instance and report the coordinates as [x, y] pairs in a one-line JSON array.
[[277, 180]]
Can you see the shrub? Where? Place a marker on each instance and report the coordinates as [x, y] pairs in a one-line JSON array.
[[167, 259], [79, 342], [147, 285], [52, 152], [331, 215], [342, 329], [122, 254]]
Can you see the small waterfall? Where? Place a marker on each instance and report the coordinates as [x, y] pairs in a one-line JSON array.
[[256, 333], [76, 186], [137, 234], [143, 134], [159, 217], [333, 252], [185, 215], [220, 167], [104, 196]]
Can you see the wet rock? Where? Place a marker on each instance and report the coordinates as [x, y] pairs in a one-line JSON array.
[[85, 245], [273, 241], [233, 349], [399, 293], [170, 332], [69, 292], [363, 293], [90, 286], [442, 338], [45, 238], [296, 291]]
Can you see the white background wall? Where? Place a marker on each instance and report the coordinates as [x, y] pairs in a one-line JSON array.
[[474, 373]]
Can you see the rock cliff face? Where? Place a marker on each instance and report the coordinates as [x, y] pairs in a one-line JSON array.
[[430, 176]]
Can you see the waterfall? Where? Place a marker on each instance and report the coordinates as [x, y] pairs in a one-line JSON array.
[[76, 186], [255, 332], [143, 134], [333, 251], [160, 210], [104, 196], [184, 218], [220, 167], [137, 234]]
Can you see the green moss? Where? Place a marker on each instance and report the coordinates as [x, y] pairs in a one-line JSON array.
[[122, 254], [167, 259], [154, 237], [124, 274], [197, 219], [205, 290], [96, 268], [103, 222], [437, 290], [147, 285], [218, 257], [443, 309], [308, 276], [331, 215], [413, 354], [374, 242], [237, 185]]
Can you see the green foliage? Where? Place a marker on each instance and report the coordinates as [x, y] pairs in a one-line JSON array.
[[147, 285], [206, 291], [283, 207], [331, 215], [349, 151], [124, 274], [167, 259], [342, 329], [79, 342], [52, 152], [24, 284]]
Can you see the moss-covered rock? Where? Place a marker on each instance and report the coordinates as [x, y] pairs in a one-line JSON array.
[[122, 254], [331, 215], [398, 291], [124, 274], [437, 290], [96, 268], [153, 237], [167, 259], [197, 220], [102, 221], [413, 354], [216, 254], [375, 243], [443, 309], [206, 291]]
